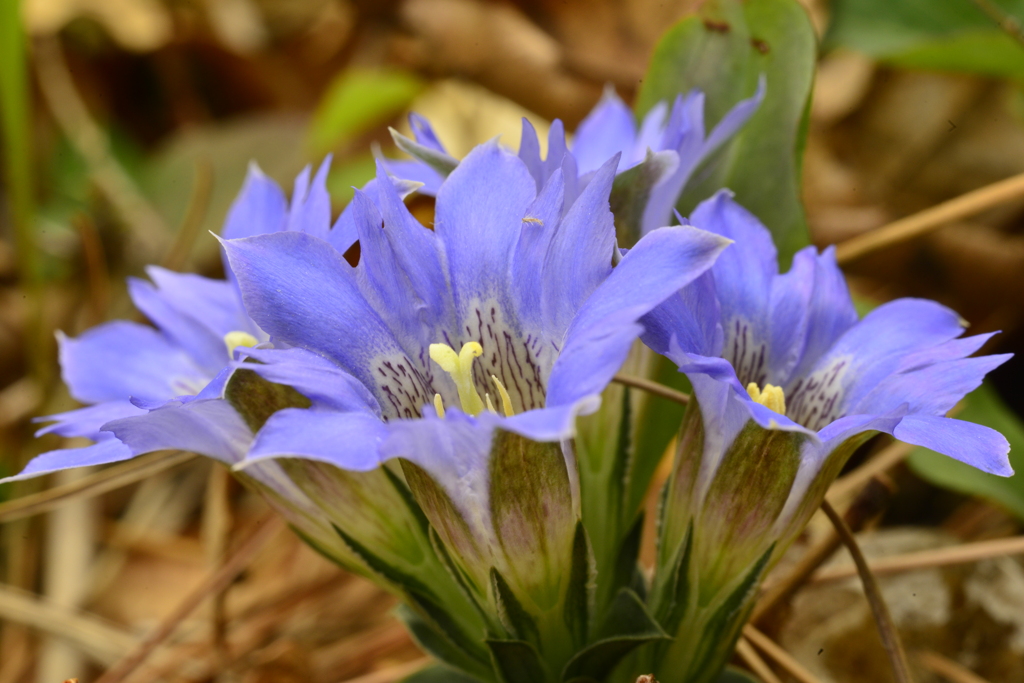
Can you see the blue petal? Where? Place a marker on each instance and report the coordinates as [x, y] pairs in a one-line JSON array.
[[579, 255], [478, 220], [106, 451], [690, 320], [557, 149], [539, 225], [310, 210], [736, 118], [209, 427], [413, 169], [598, 340], [121, 359], [974, 444], [650, 136], [313, 376], [302, 292], [87, 421], [348, 440], [259, 208], [529, 152], [609, 129]]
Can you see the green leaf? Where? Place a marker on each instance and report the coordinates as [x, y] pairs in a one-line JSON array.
[[516, 620], [355, 101], [439, 644], [723, 50], [579, 597], [439, 673], [673, 598], [350, 174], [985, 407], [631, 190], [948, 35], [626, 626], [733, 675], [516, 661]]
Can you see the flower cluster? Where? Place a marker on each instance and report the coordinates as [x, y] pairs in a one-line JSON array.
[[413, 414]]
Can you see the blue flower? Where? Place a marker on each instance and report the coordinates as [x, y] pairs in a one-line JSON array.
[[676, 135], [505, 318]]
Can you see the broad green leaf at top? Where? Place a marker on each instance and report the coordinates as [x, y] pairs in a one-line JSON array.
[[723, 50], [946, 35], [985, 407], [356, 100]]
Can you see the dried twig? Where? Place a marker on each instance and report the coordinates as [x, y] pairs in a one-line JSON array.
[[103, 641], [652, 387], [885, 459], [219, 579], [750, 657], [920, 223], [778, 655], [198, 205], [947, 668], [109, 479], [925, 559], [883, 619]]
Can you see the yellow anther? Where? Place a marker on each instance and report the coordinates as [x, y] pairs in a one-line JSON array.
[[771, 397], [460, 367], [506, 402], [438, 405], [238, 338]]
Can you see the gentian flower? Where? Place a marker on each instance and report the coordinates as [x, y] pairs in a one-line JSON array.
[[163, 388], [672, 141], [787, 383], [466, 352]]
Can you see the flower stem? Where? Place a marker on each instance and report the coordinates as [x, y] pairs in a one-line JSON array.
[[883, 619]]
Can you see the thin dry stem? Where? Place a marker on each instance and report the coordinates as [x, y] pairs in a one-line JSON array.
[[392, 673], [198, 205], [926, 559], [883, 619], [750, 657], [97, 484], [778, 655], [215, 582], [924, 221], [947, 668], [652, 387], [884, 460]]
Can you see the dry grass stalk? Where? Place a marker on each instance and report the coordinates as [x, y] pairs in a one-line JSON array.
[[217, 581], [926, 559], [392, 673], [884, 460], [652, 387], [947, 668], [922, 222], [750, 657], [883, 619], [778, 655], [97, 484]]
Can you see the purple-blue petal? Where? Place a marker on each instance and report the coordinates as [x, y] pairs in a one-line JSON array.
[[349, 440]]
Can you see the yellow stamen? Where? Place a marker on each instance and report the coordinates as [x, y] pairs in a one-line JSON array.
[[506, 402], [490, 406], [238, 338], [460, 367], [439, 406], [771, 397]]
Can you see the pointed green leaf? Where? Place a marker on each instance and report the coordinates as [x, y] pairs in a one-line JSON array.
[[514, 618], [626, 626], [723, 50], [733, 675], [673, 598], [439, 673], [516, 662], [631, 190], [439, 161], [579, 597], [433, 640]]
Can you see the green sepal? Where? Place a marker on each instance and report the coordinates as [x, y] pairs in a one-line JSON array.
[[392, 575], [440, 673], [579, 597], [439, 644], [626, 626], [516, 620], [719, 637], [517, 661], [675, 593], [256, 399], [456, 572], [439, 161], [627, 572], [631, 190]]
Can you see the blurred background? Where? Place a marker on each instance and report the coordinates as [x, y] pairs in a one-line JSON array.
[[128, 126]]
